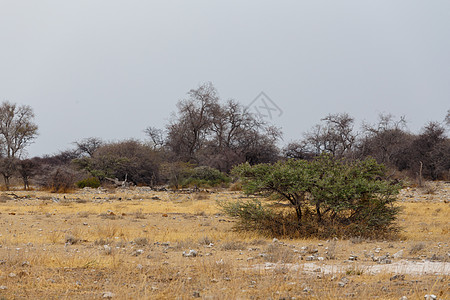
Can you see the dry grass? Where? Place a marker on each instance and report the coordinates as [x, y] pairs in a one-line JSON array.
[[131, 243]]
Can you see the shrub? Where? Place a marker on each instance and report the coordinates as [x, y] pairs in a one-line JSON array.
[[330, 197], [61, 179], [91, 182], [205, 177]]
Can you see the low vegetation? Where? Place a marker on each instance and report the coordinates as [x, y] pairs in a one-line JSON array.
[[62, 246], [329, 197]]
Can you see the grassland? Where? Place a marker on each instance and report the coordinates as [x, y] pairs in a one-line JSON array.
[[129, 244]]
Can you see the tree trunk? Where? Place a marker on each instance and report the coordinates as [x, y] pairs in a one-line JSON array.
[[6, 182], [319, 215], [298, 210]]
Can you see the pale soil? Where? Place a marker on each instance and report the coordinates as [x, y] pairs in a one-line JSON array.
[[130, 243]]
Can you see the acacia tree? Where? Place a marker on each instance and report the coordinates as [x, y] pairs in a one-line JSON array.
[[17, 131], [346, 198]]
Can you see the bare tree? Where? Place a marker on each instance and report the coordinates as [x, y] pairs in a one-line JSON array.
[[447, 118], [297, 150], [385, 140], [156, 136], [208, 133], [26, 169], [335, 136], [187, 134], [17, 131], [89, 145]]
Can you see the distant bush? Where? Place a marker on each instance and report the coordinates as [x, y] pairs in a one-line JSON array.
[[91, 182], [330, 197], [60, 179], [205, 177]]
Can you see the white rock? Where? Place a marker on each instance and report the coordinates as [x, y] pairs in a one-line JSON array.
[[108, 249], [191, 253], [108, 295], [398, 255]]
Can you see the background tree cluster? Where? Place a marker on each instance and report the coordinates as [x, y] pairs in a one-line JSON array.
[[426, 154], [206, 131]]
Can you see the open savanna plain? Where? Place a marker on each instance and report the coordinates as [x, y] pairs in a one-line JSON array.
[[141, 244]]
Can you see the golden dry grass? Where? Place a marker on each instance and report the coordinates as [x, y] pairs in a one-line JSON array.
[[131, 243]]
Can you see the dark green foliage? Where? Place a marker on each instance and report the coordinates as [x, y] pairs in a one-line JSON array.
[[331, 197], [91, 182], [205, 177]]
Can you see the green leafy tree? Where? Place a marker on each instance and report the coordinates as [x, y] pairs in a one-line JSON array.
[[327, 192]]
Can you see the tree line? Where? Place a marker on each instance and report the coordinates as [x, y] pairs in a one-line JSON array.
[[207, 137]]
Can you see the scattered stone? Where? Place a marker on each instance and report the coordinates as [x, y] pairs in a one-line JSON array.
[[191, 253], [398, 255], [435, 257], [350, 295], [108, 295], [341, 284], [397, 277], [214, 280], [12, 275], [138, 252], [275, 240], [196, 294], [310, 258], [318, 270], [2, 287], [107, 249], [25, 264], [382, 259], [430, 297], [139, 267], [403, 298], [385, 261], [353, 257], [165, 215]]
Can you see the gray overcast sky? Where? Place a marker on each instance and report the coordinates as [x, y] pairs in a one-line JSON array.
[[111, 68]]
